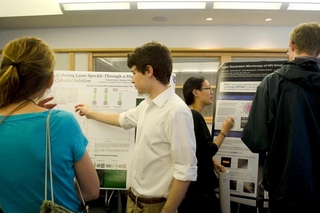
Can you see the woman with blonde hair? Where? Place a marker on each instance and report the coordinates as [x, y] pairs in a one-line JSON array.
[[26, 74]]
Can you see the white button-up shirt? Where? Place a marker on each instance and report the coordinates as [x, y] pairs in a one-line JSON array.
[[165, 144]]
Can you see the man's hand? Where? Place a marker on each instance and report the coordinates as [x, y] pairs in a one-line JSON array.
[[83, 110], [43, 103]]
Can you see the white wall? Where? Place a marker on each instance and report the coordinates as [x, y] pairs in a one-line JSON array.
[[172, 36]]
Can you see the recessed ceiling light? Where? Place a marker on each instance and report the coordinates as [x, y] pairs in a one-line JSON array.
[[268, 19], [209, 19]]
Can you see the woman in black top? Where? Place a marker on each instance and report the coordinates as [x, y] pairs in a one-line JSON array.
[[201, 195]]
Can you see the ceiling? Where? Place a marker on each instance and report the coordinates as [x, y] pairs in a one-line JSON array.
[[161, 18]]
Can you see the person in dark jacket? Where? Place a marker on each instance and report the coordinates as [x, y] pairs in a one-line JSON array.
[[284, 125], [201, 195]]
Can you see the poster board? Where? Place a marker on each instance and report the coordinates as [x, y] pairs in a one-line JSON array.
[[110, 148], [236, 86]]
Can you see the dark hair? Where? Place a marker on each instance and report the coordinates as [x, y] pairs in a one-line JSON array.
[[157, 56], [191, 83]]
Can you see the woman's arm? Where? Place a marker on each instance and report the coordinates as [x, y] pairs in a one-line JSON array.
[[87, 178], [226, 126]]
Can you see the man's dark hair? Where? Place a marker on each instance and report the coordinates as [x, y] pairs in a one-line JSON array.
[[155, 55]]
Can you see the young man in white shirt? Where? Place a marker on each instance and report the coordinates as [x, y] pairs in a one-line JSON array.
[[164, 161]]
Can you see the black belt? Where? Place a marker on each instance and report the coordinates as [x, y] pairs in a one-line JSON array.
[[145, 200]]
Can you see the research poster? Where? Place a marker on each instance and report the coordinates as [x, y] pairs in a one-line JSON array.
[[110, 148], [236, 85]]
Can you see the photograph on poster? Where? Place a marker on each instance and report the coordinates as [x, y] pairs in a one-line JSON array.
[[112, 179], [242, 163], [248, 187]]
